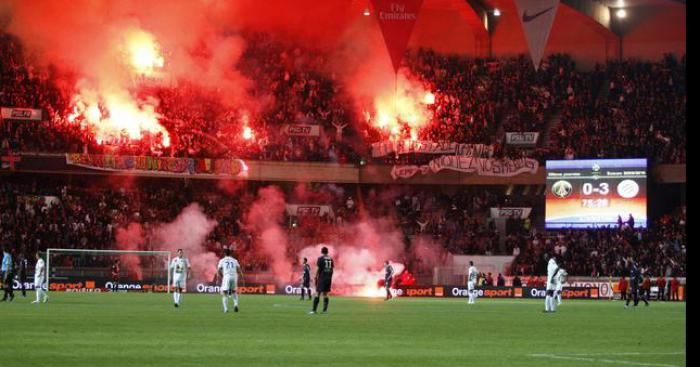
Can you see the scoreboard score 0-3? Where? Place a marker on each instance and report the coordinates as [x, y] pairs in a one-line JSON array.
[[592, 193]]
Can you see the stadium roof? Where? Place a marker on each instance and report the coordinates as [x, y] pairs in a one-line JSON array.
[[587, 29]]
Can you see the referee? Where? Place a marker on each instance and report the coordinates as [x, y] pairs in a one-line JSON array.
[[388, 279]]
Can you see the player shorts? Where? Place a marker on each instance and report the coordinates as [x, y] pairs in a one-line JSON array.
[[8, 277], [38, 282], [550, 286], [559, 287], [306, 283], [387, 283], [229, 283], [179, 281], [323, 285], [471, 286]]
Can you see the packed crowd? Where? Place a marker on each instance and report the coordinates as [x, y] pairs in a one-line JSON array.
[[94, 214], [659, 250], [643, 115], [475, 101], [289, 87]]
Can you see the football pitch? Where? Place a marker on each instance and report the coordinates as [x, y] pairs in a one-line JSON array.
[[144, 329]]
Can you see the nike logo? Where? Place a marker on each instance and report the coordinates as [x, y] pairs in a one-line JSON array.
[[529, 18]]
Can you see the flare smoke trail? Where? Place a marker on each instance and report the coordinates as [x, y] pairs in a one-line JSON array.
[[131, 238], [264, 220], [187, 232]]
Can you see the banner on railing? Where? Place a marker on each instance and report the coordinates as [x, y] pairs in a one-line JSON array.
[[521, 213], [522, 139], [309, 210], [400, 147], [301, 130], [26, 114], [184, 166], [479, 166]]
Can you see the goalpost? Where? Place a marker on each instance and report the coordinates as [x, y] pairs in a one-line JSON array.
[[98, 271]]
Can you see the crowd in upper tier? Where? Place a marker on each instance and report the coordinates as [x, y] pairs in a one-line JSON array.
[[620, 109]]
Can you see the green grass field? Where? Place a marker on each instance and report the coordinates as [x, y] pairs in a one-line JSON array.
[[146, 330]]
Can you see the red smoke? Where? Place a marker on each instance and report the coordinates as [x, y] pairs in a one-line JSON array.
[[359, 249], [264, 220], [112, 47], [188, 232], [130, 239], [360, 254]]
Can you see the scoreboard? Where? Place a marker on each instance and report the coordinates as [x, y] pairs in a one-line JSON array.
[[593, 193]]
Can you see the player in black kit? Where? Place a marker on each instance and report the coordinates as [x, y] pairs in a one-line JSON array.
[[23, 265], [324, 277], [388, 278], [635, 279], [306, 279]]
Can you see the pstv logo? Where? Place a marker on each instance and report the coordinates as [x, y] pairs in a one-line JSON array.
[[303, 130], [21, 114]]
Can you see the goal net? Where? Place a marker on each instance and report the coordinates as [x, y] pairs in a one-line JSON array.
[[74, 270]]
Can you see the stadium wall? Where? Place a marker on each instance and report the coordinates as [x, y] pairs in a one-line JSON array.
[[329, 172]]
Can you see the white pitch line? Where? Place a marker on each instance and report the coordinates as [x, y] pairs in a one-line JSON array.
[[627, 354], [601, 360]]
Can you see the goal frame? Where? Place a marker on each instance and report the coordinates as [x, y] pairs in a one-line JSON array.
[[118, 252]]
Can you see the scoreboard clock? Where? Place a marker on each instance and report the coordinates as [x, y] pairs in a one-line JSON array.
[[592, 193]]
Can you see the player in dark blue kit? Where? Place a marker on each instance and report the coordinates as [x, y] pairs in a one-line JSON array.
[[635, 280], [388, 278], [306, 279], [324, 277]]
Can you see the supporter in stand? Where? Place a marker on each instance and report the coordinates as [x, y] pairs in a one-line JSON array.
[[623, 286], [474, 99]]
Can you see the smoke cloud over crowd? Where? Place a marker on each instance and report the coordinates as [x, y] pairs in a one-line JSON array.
[[108, 56], [264, 221], [187, 232], [107, 51]]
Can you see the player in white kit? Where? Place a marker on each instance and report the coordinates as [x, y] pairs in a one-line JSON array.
[[552, 275], [229, 269], [39, 280], [561, 279], [180, 268], [472, 276]]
